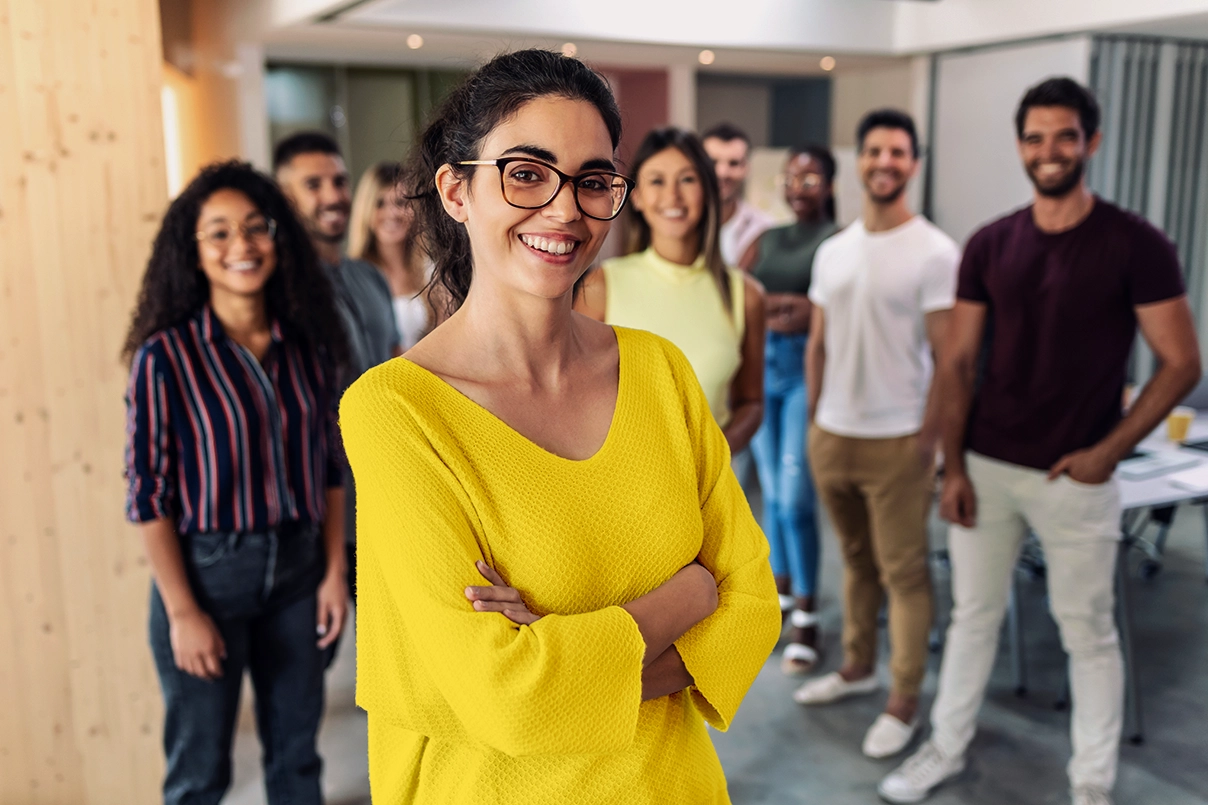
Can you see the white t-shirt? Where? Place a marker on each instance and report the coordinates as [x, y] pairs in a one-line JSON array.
[[743, 228], [874, 288]]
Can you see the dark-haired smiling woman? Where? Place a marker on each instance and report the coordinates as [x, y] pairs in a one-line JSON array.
[[673, 281], [234, 474], [560, 580]]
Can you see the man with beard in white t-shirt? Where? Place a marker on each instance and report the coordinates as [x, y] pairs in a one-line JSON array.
[[882, 291]]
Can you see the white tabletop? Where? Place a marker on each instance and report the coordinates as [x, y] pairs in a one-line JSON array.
[[1159, 491]]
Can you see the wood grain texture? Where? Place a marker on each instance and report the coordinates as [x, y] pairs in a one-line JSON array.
[[82, 190]]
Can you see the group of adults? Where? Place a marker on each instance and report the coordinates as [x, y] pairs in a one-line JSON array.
[[560, 581]]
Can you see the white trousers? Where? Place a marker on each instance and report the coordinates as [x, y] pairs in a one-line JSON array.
[[1079, 529]]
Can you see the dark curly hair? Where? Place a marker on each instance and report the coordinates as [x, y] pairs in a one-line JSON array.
[[493, 93], [299, 295]]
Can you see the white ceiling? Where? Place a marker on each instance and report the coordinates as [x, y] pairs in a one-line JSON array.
[[780, 36]]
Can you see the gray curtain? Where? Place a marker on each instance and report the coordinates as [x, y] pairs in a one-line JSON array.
[[1154, 155], [1187, 183], [1124, 77]]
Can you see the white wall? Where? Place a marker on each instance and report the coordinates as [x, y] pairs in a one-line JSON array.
[[855, 93], [978, 176], [927, 27]]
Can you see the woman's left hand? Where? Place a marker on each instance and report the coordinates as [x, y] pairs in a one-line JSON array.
[[499, 598], [333, 608]]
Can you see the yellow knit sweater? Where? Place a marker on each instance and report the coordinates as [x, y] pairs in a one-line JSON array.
[[467, 707]]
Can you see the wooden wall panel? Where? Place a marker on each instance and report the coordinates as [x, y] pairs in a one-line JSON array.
[[82, 188]]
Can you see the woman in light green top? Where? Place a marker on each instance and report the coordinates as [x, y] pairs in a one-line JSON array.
[[674, 283]]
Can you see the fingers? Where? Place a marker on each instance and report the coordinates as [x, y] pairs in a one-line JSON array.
[[509, 595], [521, 617], [332, 624], [1060, 467], [489, 574], [211, 664], [967, 511], [517, 614]]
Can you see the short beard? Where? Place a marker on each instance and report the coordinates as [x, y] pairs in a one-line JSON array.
[[1067, 185], [888, 198]]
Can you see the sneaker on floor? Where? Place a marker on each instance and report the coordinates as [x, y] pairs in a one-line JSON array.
[[1090, 796], [888, 735], [833, 687], [915, 779]]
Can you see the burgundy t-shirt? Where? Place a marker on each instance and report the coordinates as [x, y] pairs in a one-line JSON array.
[[1061, 324]]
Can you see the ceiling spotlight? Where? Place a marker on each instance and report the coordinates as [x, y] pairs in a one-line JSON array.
[[827, 63], [569, 50], [415, 41], [706, 57]]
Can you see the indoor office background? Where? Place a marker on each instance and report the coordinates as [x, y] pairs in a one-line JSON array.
[[113, 106]]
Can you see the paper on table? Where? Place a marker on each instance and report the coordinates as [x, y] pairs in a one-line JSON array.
[[1153, 465], [1194, 479]]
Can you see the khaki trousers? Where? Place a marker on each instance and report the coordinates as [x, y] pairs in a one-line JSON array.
[[878, 493]]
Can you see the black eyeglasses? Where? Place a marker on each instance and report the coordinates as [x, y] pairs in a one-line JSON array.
[[531, 184]]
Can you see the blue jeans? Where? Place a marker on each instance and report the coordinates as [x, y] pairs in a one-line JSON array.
[[790, 506], [260, 590]]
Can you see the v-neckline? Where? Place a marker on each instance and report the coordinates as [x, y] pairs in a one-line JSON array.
[[622, 387]]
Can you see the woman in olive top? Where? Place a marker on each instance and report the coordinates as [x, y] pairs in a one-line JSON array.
[[674, 284], [560, 580], [783, 263]]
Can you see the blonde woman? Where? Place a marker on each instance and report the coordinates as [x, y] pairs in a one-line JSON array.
[[381, 233]]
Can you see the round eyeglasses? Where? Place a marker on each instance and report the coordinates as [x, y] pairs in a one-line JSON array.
[[222, 235], [800, 181], [531, 184]]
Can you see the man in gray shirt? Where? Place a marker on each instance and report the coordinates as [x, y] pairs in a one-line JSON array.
[[311, 171]]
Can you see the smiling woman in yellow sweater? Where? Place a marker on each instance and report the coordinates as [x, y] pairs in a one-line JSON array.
[[560, 579]]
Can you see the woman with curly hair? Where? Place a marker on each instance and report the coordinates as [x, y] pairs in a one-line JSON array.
[[234, 475]]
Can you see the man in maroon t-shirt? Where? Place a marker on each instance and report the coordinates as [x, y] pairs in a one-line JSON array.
[[1063, 284]]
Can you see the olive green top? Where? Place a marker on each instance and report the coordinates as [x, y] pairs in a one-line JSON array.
[[786, 255]]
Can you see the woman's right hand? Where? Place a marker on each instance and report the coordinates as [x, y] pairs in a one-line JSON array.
[[197, 645]]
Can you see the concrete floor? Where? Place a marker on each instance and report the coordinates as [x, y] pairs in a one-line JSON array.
[[778, 752]]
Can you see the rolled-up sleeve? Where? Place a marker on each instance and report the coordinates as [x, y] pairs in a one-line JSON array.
[[150, 462]]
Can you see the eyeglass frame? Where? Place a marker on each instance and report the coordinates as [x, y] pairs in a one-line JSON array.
[[784, 180], [203, 236], [563, 178]]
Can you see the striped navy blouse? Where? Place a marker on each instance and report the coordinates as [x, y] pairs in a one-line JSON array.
[[217, 441]]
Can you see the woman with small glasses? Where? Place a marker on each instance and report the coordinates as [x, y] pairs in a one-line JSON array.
[[560, 581], [784, 259], [235, 478], [673, 281]]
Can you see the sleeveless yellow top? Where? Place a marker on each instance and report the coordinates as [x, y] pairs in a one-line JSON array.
[[681, 303], [467, 707]]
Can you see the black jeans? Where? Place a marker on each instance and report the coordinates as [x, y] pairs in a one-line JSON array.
[[260, 590]]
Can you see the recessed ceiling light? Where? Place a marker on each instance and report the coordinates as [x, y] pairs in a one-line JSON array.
[[827, 63], [706, 57], [415, 41], [569, 50]]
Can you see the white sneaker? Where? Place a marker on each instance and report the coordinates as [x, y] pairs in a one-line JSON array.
[[922, 772], [888, 735], [1090, 796], [833, 687]]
